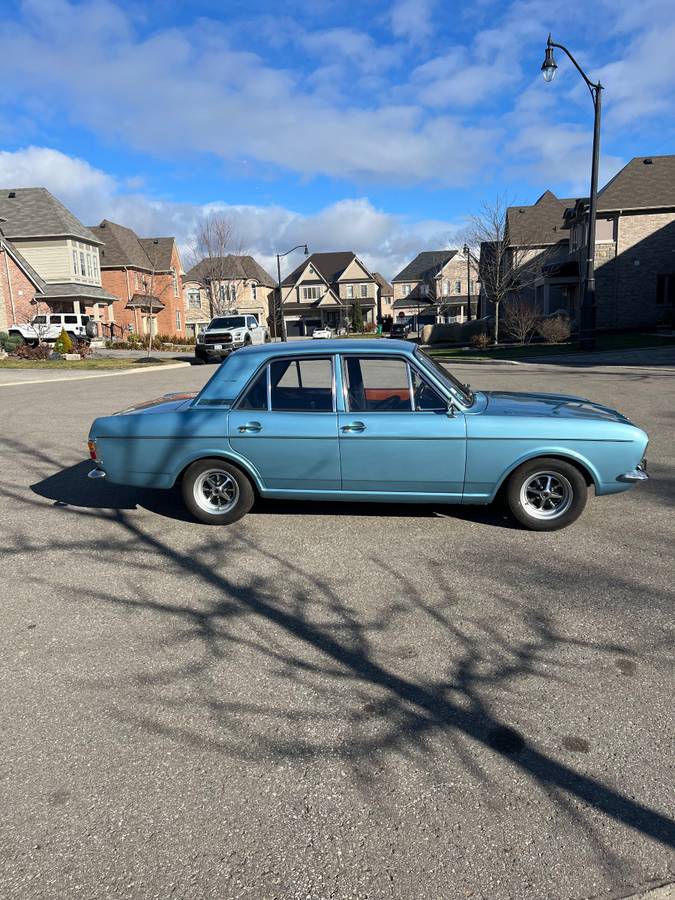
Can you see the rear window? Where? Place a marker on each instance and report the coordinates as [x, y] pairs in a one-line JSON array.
[[302, 385]]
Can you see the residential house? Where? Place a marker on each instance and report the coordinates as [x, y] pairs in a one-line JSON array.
[[323, 291], [223, 284], [144, 276], [435, 287], [385, 298], [48, 256], [634, 250]]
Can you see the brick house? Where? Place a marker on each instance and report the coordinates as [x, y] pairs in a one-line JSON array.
[[47, 257], [634, 249], [433, 288], [223, 284], [322, 292], [144, 277]]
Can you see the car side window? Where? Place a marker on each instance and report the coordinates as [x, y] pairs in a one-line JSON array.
[[302, 385], [256, 394], [427, 398], [377, 384]]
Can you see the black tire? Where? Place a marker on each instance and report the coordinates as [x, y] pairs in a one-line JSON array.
[[546, 494], [234, 486]]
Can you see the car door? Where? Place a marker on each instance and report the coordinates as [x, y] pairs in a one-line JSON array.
[[395, 433], [256, 332], [286, 425]]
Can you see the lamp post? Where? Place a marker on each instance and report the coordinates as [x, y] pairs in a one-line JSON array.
[[467, 253], [587, 312], [284, 336]]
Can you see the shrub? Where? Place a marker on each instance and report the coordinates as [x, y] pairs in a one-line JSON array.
[[24, 351], [83, 348], [370, 327], [481, 341], [521, 319], [555, 329], [63, 343], [357, 317]]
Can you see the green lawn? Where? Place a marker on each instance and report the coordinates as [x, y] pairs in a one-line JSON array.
[[105, 363], [605, 342]]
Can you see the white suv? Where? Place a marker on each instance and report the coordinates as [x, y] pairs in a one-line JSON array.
[[48, 328], [227, 333]]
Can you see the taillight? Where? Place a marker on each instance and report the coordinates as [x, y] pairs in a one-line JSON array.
[[92, 449]]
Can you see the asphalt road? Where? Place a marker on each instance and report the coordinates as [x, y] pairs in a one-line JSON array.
[[330, 701]]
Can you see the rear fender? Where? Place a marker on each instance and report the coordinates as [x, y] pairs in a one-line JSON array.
[[218, 453]]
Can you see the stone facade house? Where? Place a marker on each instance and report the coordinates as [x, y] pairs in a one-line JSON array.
[[385, 297], [223, 284], [144, 276], [323, 290], [634, 249], [434, 287], [48, 257]]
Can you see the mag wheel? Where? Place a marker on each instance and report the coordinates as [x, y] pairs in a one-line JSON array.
[[216, 492], [547, 494]]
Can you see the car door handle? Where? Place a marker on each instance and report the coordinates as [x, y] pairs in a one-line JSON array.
[[353, 426], [250, 427]]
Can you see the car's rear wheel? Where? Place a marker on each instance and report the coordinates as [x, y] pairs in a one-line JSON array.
[[546, 494], [216, 492]]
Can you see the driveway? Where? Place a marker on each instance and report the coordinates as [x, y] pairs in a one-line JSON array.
[[330, 701]]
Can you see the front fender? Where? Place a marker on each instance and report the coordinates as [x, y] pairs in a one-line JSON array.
[[562, 452]]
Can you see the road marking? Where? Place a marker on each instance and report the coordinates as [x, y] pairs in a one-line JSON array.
[[180, 365]]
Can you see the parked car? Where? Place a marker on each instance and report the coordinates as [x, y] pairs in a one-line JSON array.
[[323, 333], [224, 334], [342, 420], [47, 328], [400, 330]]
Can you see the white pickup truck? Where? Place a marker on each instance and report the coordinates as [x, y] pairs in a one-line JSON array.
[[48, 328], [227, 333]]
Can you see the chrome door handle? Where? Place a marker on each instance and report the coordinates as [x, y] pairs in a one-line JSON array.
[[353, 426], [250, 427]]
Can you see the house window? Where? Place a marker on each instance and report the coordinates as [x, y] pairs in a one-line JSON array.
[[406, 289], [175, 283], [233, 293], [604, 229], [350, 291], [364, 290], [194, 299], [75, 271], [446, 287], [177, 320], [254, 292], [310, 293], [424, 290], [82, 264], [138, 280], [130, 328], [665, 289], [221, 293], [90, 271], [458, 287]]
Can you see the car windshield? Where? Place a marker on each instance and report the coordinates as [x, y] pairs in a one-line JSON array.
[[228, 322], [463, 392], [39, 320]]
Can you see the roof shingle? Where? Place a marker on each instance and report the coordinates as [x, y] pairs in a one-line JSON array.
[[645, 183], [425, 265], [35, 213], [229, 267], [541, 223]]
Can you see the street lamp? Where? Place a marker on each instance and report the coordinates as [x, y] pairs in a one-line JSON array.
[[284, 336], [467, 253], [587, 312]]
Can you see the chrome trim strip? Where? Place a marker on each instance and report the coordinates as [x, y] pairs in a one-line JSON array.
[[96, 474], [635, 475]]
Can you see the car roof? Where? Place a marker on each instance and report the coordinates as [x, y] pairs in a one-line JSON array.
[[340, 345]]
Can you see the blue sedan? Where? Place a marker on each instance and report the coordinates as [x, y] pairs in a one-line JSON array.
[[357, 420]]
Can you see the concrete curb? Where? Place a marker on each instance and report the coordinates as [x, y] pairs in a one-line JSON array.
[[663, 892], [139, 371]]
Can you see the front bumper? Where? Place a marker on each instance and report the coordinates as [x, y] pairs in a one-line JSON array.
[[96, 474], [638, 474]]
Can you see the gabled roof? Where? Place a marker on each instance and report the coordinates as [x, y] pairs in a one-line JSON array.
[[425, 265], [386, 290], [229, 267], [35, 213], [329, 266], [23, 263], [123, 247], [541, 223], [647, 182]]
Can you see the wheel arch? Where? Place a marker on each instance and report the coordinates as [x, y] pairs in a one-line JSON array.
[[227, 456], [576, 459]]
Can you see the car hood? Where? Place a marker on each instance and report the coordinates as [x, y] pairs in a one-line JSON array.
[[174, 402], [560, 406]]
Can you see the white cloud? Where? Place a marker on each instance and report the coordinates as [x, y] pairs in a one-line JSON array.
[[411, 20], [385, 241]]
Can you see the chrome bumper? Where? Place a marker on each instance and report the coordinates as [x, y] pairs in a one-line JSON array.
[[96, 474], [639, 474]]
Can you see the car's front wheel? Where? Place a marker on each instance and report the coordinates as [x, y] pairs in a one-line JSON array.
[[546, 494], [216, 492]]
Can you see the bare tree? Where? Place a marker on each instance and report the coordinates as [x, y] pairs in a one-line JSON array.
[[214, 243], [507, 270], [521, 319]]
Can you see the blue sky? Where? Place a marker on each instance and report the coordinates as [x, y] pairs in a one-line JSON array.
[[373, 126]]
